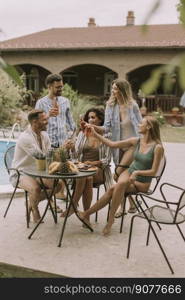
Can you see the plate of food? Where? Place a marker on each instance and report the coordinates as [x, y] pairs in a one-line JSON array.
[[88, 169], [66, 174]]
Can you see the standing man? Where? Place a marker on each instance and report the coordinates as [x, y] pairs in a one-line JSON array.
[[58, 110], [33, 139]]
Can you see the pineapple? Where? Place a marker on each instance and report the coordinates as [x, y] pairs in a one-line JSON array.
[[65, 166]]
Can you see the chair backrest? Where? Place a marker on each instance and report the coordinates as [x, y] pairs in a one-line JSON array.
[[8, 157], [179, 205], [158, 175], [181, 201]]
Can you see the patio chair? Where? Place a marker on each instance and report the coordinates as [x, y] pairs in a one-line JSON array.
[[163, 212], [8, 158], [154, 184]]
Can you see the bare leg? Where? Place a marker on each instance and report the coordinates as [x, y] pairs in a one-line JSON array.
[[34, 191], [36, 194], [87, 194], [120, 189], [126, 160], [79, 189], [60, 194], [88, 191], [117, 197], [103, 201], [49, 185]]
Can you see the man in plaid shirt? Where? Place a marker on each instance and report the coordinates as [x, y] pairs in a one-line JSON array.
[[57, 108]]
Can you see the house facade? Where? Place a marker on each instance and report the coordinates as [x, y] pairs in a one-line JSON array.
[[90, 58]]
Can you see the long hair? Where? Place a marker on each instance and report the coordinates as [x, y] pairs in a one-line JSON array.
[[154, 130], [125, 90]]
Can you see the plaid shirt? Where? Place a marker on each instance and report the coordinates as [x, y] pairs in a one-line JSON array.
[[59, 126]]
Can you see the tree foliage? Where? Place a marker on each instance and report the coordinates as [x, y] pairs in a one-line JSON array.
[[181, 10], [176, 65], [11, 98]]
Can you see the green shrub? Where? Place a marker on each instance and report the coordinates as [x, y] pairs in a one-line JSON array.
[[11, 99], [159, 116]]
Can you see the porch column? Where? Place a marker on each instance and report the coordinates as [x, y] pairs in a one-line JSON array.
[[122, 73]]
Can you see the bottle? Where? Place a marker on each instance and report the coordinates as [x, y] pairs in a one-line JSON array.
[[55, 106]]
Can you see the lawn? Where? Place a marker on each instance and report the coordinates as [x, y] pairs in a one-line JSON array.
[[172, 134]]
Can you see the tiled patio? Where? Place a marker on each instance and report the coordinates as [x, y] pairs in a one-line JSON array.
[[86, 254]]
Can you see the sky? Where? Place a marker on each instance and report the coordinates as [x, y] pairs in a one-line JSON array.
[[22, 17]]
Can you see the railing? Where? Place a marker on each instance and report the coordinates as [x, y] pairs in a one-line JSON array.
[[12, 132], [163, 102]]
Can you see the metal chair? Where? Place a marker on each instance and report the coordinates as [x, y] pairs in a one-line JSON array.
[[8, 158], [154, 184], [161, 213]]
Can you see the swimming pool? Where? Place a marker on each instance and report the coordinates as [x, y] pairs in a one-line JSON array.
[[4, 177]]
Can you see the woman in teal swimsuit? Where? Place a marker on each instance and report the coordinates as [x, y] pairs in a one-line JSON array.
[[148, 154]]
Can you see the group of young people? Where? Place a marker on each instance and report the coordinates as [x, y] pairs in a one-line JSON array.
[[119, 131]]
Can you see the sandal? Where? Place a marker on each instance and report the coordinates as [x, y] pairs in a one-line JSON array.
[[132, 210], [84, 220], [119, 214]]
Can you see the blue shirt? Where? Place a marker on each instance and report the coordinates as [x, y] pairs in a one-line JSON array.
[[59, 126]]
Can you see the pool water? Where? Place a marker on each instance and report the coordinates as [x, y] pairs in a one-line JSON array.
[[4, 177]]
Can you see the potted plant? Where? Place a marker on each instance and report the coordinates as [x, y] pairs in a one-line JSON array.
[[175, 110]]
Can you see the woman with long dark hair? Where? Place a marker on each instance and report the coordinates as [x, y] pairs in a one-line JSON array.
[[91, 151]]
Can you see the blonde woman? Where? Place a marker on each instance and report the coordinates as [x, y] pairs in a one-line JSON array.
[[122, 117], [147, 156]]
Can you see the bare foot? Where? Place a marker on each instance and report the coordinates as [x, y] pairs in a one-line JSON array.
[[58, 209], [37, 221], [63, 214], [132, 210], [107, 229], [84, 225], [119, 213], [82, 217], [36, 215]]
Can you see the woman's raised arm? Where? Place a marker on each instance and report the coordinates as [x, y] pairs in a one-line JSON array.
[[112, 144]]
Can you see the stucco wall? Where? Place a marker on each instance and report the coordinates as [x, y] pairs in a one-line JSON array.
[[119, 61]]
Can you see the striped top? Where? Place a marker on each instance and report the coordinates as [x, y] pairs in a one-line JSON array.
[[104, 157], [59, 126]]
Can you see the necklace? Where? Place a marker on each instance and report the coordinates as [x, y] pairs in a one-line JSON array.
[[39, 139]]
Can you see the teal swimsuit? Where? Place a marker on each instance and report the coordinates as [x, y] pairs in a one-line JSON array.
[[142, 161]]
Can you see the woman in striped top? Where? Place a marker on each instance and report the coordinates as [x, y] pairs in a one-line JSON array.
[[92, 152]]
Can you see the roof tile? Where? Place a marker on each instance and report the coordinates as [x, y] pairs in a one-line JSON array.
[[172, 35]]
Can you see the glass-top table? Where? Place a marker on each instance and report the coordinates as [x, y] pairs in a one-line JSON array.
[[56, 177]]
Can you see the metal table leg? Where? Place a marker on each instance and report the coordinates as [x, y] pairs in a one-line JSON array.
[[71, 203]]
